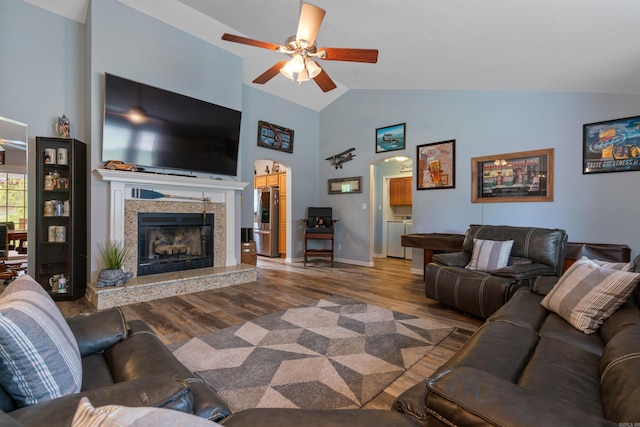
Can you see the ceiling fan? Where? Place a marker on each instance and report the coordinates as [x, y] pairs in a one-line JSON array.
[[303, 52]]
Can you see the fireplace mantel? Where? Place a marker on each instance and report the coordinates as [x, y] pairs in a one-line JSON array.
[[217, 190]]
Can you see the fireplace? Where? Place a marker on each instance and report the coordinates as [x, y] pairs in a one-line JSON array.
[[214, 197], [174, 241]]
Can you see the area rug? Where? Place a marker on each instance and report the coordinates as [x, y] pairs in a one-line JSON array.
[[329, 354]]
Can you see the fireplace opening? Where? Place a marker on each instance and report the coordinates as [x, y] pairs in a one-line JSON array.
[[174, 241]]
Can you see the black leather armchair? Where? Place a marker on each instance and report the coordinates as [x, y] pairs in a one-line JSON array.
[[535, 252]]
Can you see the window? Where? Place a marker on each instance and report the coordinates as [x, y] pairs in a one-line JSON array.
[[13, 199]]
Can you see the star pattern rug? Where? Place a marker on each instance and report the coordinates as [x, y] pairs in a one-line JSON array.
[[330, 354]]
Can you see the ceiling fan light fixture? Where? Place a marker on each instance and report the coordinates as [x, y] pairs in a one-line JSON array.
[[313, 69], [303, 76], [297, 63], [286, 70]]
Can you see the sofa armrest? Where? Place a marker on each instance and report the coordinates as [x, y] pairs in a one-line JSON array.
[[543, 284], [148, 392], [98, 330], [469, 396], [452, 259], [144, 355], [525, 271]]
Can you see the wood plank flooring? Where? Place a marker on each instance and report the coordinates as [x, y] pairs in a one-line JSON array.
[[280, 286]]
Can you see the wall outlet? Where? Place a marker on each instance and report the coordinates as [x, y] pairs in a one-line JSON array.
[[364, 206], [339, 246]]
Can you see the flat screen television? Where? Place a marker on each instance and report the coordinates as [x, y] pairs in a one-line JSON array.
[[156, 128]]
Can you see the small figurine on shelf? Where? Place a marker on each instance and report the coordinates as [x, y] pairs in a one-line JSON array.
[[63, 127], [266, 169]]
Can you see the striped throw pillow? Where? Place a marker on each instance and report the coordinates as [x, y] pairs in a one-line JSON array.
[[39, 356], [587, 294], [118, 416], [622, 266], [490, 255]]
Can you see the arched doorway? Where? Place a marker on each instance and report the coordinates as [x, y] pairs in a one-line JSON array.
[[272, 209], [392, 206]]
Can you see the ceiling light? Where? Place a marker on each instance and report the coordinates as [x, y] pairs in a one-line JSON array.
[[401, 158], [313, 69], [297, 63], [286, 70], [303, 76]]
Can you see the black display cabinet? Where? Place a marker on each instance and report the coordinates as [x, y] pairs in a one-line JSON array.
[[61, 217]]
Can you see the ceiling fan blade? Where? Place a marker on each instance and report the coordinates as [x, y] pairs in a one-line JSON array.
[[324, 81], [270, 73], [310, 20], [352, 55], [251, 42]]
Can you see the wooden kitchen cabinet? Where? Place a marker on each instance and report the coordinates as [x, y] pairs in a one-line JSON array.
[[400, 191]]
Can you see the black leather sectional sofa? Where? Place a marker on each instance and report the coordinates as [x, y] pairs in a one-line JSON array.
[[527, 366]]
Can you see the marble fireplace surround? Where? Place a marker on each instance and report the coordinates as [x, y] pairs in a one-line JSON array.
[[123, 216]]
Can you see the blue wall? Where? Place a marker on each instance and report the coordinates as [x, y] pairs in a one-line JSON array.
[[54, 66], [595, 208]]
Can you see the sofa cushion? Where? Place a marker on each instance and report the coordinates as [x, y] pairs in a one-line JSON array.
[[117, 416], [490, 255], [39, 356], [587, 294]]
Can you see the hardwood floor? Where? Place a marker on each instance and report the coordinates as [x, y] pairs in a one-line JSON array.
[[279, 286]]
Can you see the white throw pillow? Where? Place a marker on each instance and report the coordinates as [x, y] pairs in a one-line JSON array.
[[490, 255], [119, 416], [40, 359], [587, 294]]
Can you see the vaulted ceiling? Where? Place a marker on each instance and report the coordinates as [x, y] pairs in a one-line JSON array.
[[496, 45]]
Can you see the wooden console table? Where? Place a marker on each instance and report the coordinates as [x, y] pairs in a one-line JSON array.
[[433, 243]]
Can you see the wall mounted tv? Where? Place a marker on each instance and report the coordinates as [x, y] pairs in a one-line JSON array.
[[156, 128]]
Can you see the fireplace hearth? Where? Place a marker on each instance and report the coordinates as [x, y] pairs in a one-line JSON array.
[[174, 242]]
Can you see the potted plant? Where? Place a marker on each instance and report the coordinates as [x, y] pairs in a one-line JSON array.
[[113, 254]]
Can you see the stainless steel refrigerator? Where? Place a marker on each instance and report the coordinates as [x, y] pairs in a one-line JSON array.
[[265, 221]]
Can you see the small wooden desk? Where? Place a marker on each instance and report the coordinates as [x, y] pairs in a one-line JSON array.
[[18, 236], [433, 243]]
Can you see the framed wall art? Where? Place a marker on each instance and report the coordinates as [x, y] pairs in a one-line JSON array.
[[345, 185], [391, 138], [526, 176], [436, 165], [275, 137], [611, 146]]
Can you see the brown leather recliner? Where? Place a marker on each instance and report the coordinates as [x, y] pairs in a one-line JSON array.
[[535, 252]]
